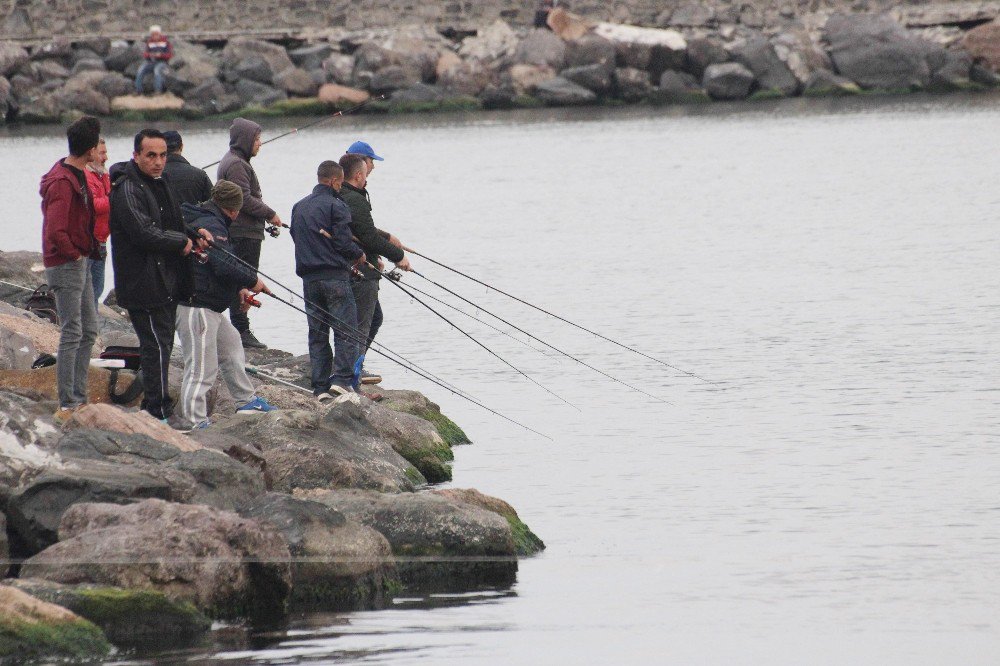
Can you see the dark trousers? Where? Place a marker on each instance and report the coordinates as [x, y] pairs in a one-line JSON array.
[[376, 324], [366, 298], [331, 303], [155, 329], [247, 249]]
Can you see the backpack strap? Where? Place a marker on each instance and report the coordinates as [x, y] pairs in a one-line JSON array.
[[130, 394]]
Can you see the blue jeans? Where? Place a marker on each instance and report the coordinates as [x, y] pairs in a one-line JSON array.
[[336, 299], [97, 276], [158, 67], [73, 288]]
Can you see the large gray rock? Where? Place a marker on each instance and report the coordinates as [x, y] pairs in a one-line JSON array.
[[253, 93], [678, 88], [597, 78], [590, 50], [310, 56], [48, 70], [239, 48], [650, 49], [220, 481], [393, 77], [824, 83], [632, 84], [559, 91], [438, 543], [756, 54], [982, 43], [253, 67], [418, 93], [877, 52], [27, 432], [337, 450], [462, 77], [12, 57], [412, 437], [728, 81], [226, 565], [131, 619], [339, 68], [339, 564], [17, 351], [950, 71], [491, 44], [296, 81], [542, 47], [121, 55], [702, 52]]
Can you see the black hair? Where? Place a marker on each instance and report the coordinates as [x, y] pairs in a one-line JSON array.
[[147, 134], [83, 135], [353, 164], [329, 169]]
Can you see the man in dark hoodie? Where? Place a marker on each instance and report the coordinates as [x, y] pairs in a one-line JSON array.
[[67, 242], [150, 251], [209, 340], [247, 230], [190, 184], [324, 255]]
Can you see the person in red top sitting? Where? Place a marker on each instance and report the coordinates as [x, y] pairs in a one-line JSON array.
[[156, 56], [99, 184]]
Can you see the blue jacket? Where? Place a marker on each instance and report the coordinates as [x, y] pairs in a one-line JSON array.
[[217, 281], [318, 257]]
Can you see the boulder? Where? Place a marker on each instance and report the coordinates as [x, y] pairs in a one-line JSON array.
[[728, 81], [341, 96], [310, 56], [253, 67], [165, 102], [12, 57], [85, 100], [191, 66], [33, 630], [566, 25], [495, 42], [801, 53], [95, 65], [541, 47], [211, 97], [44, 335], [240, 48], [633, 85], [412, 437], [296, 81], [17, 351], [692, 15], [100, 46], [131, 619], [438, 543], [502, 96], [110, 417], [526, 542], [824, 83], [339, 564], [678, 88], [757, 55], [113, 85], [982, 43], [226, 565], [41, 383], [336, 450], [221, 481], [525, 78], [393, 77], [951, 71], [252, 93], [984, 76], [418, 93], [8, 101], [651, 49], [27, 433], [595, 78], [46, 108], [702, 52], [339, 68], [590, 49], [22, 268], [878, 53], [47, 70], [461, 77]]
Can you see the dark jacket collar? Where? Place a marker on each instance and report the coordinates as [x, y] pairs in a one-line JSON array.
[[359, 190], [177, 157], [326, 189]]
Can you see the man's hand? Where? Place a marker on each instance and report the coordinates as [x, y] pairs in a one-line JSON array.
[[360, 261], [395, 241], [187, 248], [404, 264], [276, 221], [260, 287], [381, 265], [206, 238], [244, 305]]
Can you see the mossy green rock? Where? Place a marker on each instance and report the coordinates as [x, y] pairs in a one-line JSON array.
[[129, 618], [526, 542], [412, 402], [35, 630]]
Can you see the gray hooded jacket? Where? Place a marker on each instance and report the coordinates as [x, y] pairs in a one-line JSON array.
[[235, 167]]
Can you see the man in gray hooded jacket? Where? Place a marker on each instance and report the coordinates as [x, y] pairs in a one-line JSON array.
[[247, 230]]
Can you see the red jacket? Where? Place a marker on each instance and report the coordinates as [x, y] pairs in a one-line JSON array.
[[67, 218], [100, 190]]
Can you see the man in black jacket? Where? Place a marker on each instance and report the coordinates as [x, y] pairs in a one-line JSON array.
[[324, 255], [190, 184], [150, 251], [373, 241], [208, 339]]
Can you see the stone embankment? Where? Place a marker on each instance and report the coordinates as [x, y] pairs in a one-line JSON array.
[[116, 530], [701, 55]]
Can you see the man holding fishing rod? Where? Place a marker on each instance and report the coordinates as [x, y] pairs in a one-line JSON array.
[[324, 257], [247, 230]]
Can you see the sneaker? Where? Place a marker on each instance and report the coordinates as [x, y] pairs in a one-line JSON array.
[[256, 406], [370, 377], [250, 342], [201, 425]]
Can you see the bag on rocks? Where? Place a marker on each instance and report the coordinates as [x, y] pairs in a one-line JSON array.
[[42, 303], [130, 358]]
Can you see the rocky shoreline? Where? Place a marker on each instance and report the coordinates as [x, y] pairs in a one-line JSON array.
[[119, 533], [696, 55]]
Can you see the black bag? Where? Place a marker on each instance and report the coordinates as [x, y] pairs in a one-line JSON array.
[[42, 303], [131, 357]]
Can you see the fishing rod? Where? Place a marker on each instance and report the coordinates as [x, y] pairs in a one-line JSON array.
[[11, 284], [562, 319], [427, 377], [263, 375], [534, 337], [313, 124], [463, 332]]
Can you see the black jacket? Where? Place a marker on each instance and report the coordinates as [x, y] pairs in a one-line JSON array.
[[191, 184], [217, 281], [318, 257], [146, 247], [374, 242]]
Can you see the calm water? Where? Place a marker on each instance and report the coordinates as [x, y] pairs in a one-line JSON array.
[[834, 498]]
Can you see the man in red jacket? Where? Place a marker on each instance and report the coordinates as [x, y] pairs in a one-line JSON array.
[[99, 184], [67, 242], [154, 59]]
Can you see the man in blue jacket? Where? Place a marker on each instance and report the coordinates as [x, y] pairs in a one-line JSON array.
[[209, 340], [324, 256]]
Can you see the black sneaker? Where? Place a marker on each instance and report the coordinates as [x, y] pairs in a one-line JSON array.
[[250, 342]]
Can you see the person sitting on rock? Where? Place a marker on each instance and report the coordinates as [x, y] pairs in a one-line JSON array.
[[191, 184], [67, 242], [208, 340], [155, 58]]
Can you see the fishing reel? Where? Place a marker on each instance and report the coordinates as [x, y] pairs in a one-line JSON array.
[[394, 275], [273, 230], [251, 301]]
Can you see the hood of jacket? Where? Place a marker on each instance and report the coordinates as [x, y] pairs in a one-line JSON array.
[[242, 134], [59, 171]]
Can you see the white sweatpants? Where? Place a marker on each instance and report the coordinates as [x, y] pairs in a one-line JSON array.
[[209, 343]]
